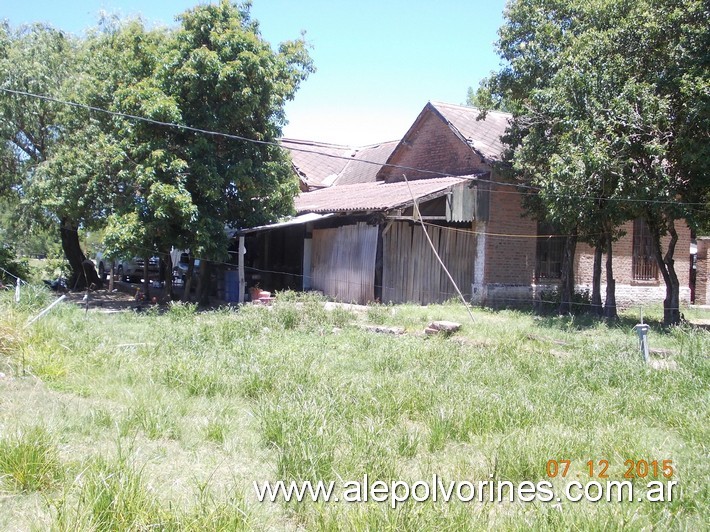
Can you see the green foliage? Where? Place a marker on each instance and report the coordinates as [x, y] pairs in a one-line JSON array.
[[604, 125], [151, 187], [16, 267], [167, 186]]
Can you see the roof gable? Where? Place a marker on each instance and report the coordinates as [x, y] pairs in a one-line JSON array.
[[448, 139], [482, 135]]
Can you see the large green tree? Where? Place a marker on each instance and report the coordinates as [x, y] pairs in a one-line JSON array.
[[608, 99], [214, 73], [40, 60], [153, 185]]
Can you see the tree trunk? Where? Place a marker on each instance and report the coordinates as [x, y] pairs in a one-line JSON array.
[[610, 302], [187, 287], [567, 274], [597, 309], [671, 304], [204, 285], [81, 277]]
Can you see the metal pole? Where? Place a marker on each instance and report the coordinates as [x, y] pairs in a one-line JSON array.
[[242, 288], [642, 331], [38, 316]]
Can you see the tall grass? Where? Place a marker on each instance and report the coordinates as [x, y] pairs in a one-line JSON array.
[[29, 461], [113, 494], [294, 392]]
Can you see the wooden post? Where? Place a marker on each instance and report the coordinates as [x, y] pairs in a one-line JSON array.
[[242, 252]]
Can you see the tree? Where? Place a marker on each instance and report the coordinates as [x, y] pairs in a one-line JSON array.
[[555, 147], [36, 59], [214, 73], [601, 120], [154, 186]]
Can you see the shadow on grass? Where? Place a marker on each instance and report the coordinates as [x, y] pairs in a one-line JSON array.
[[580, 320]]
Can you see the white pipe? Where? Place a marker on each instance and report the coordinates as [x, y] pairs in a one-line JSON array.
[[38, 316]]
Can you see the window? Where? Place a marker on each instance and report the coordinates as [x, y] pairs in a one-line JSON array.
[[644, 259], [549, 252]]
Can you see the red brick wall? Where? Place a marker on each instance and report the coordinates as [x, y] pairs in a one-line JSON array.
[[702, 281], [509, 259], [509, 264], [431, 145], [630, 292]]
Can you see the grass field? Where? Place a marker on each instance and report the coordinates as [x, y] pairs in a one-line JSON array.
[[165, 420]]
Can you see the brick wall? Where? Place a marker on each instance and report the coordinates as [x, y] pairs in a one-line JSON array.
[[630, 292], [504, 273], [702, 280], [431, 145], [510, 260]]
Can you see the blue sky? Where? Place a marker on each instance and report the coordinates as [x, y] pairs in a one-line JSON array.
[[379, 62]]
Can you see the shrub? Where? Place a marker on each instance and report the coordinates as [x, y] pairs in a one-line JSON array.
[[16, 267], [550, 301]]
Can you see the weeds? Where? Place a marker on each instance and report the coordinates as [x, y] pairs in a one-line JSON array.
[[29, 461], [296, 392]]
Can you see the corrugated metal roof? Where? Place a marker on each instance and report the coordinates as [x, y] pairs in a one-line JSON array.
[[314, 168], [323, 165], [376, 196], [358, 171], [296, 220], [482, 135]]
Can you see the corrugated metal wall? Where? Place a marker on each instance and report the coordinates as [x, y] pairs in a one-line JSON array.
[[343, 262], [411, 271]]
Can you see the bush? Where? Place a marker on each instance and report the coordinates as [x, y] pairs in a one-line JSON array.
[[14, 266], [550, 300]]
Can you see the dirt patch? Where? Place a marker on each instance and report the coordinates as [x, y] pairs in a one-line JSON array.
[[105, 301]]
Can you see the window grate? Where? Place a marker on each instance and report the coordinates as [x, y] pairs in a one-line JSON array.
[[645, 267]]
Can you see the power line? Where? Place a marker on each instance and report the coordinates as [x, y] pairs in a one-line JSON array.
[[221, 134], [241, 138]]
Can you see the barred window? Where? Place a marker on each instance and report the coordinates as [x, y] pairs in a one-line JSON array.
[[644, 260], [550, 249]]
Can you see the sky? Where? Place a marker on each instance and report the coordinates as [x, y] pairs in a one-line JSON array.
[[378, 61]]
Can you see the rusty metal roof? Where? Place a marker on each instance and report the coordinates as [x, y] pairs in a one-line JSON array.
[[482, 135], [324, 165], [375, 196], [359, 171]]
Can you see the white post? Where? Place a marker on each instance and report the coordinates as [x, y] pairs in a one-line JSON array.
[[642, 331], [17, 291], [242, 288]]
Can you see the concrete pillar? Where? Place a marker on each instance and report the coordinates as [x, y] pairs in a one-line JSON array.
[[702, 280]]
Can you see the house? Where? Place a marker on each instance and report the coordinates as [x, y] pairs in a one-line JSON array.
[[357, 238]]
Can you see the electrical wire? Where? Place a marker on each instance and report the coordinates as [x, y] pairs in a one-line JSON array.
[[518, 186], [417, 215]]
